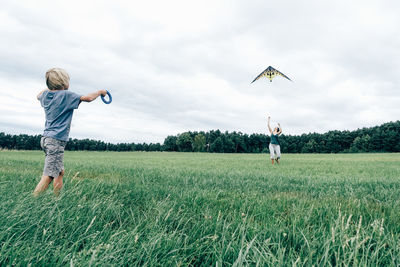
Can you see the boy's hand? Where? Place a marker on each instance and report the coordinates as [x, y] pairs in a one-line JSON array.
[[103, 92]]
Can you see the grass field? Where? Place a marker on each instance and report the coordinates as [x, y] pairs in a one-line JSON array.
[[202, 209]]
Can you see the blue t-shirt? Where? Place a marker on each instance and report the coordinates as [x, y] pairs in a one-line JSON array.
[[59, 107]]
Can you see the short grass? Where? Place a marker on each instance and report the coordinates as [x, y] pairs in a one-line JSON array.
[[179, 209]]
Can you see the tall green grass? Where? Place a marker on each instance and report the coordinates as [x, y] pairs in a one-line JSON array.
[[160, 209]]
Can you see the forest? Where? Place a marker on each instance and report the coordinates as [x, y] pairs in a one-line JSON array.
[[382, 138]]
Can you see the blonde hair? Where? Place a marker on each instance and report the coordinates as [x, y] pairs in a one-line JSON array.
[[57, 79]]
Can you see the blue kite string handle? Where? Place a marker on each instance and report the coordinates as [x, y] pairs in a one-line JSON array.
[[109, 97]]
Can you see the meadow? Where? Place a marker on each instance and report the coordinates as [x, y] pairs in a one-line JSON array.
[[180, 209]]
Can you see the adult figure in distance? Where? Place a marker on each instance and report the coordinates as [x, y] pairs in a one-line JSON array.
[[274, 145]]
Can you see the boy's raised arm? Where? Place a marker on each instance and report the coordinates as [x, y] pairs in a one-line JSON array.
[[41, 92], [92, 96]]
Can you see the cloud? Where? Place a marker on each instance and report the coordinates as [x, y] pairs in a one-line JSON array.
[[181, 65]]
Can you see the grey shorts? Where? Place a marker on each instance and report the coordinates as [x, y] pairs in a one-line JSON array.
[[54, 150], [275, 151]]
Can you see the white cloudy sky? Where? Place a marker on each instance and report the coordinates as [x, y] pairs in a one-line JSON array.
[[174, 66]]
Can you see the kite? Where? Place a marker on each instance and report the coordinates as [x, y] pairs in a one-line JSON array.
[[270, 73]]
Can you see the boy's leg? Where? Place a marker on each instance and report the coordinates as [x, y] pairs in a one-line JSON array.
[[42, 185], [53, 166], [58, 183]]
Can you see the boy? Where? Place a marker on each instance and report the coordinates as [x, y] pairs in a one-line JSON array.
[[59, 105]]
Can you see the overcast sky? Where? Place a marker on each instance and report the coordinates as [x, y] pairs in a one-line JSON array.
[[174, 66]]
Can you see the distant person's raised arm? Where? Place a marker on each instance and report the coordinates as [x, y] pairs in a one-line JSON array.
[[269, 127], [280, 128]]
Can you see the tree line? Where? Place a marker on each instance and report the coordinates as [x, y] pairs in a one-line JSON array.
[[382, 138]]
